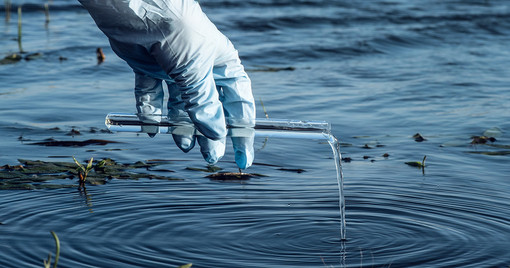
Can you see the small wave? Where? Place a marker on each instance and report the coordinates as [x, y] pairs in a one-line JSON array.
[[29, 7], [419, 223], [272, 4], [313, 51]]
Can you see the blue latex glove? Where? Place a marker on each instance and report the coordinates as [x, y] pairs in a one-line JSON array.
[[174, 41]]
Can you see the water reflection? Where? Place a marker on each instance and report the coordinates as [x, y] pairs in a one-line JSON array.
[[86, 197]]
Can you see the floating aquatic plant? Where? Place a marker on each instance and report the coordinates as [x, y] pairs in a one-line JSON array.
[[417, 163], [11, 58], [52, 142], [233, 176], [272, 69], [482, 139], [16, 57], [32, 174], [418, 137], [488, 135], [73, 132], [227, 176], [209, 168], [490, 153], [33, 56], [296, 170]]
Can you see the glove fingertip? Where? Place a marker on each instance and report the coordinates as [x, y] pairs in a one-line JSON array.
[[211, 157], [212, 126], [185, 143], [212, 151], [243, 159]]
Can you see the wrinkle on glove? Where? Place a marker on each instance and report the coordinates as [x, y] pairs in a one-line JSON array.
[[149, 100]]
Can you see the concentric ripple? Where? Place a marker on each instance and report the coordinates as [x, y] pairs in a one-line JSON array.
[[153, 223]]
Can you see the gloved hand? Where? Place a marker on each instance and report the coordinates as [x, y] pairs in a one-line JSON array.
[[174, 41], [149, 98]]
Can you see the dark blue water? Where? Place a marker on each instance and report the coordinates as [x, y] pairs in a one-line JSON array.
[[379, 71]]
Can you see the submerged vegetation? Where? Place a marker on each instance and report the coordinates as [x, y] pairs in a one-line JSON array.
[[38, 174], [11, 58], [233, 176], [482, 139], [272, 69], [53, 142]]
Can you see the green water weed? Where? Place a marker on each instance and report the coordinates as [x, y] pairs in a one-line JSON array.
[[11, 58], [417, 163], [47, 263], [83, 171], [264, 109]]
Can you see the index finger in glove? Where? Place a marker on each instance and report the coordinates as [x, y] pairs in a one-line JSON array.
[[242, 141], [212, 150], [184, 137]]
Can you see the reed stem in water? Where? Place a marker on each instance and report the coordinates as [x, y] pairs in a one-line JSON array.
[[47, 12], [7, 10], [19, 30]]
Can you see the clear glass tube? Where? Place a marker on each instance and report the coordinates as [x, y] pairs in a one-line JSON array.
[[284, 128]]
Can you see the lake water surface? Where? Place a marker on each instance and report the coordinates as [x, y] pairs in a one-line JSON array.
[[378, 71]]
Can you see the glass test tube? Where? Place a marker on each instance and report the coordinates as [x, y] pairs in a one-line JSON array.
[[284, 128]]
